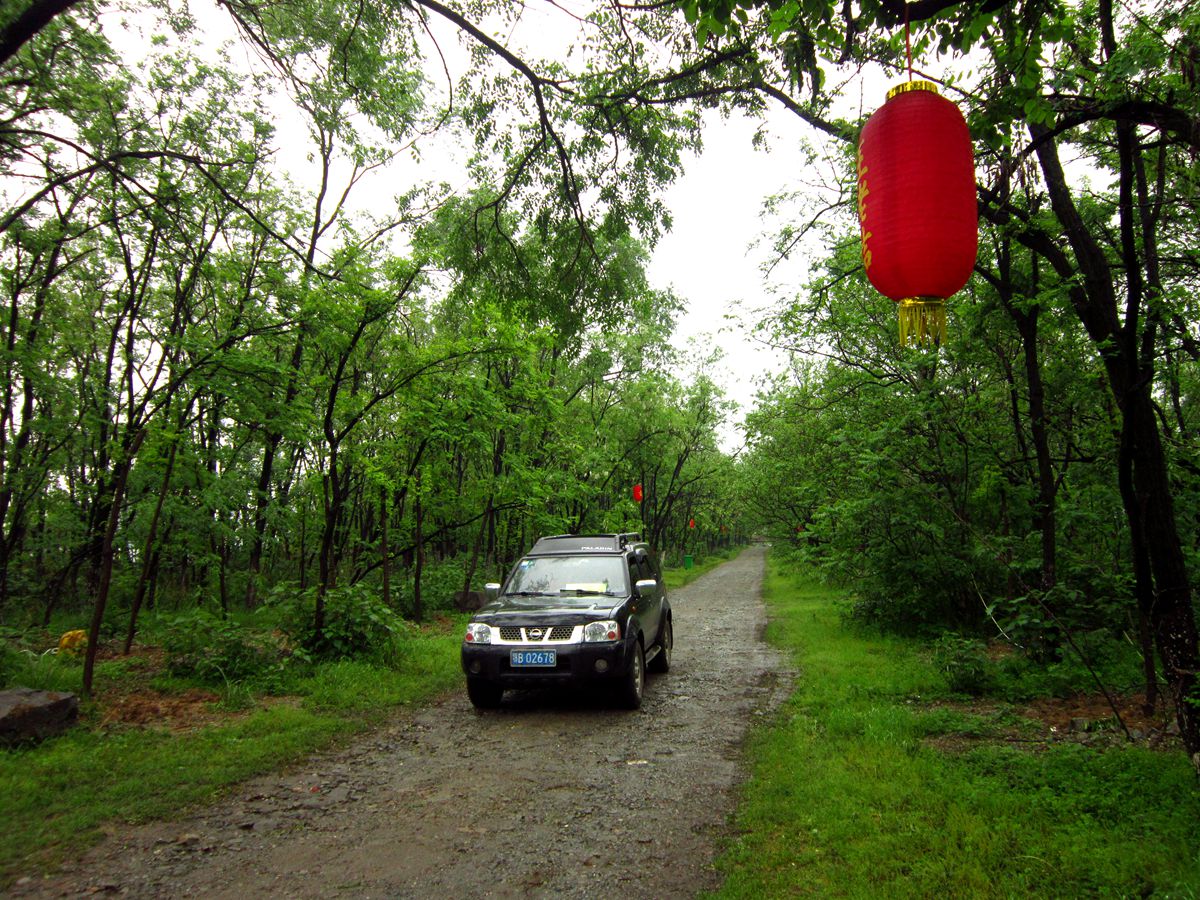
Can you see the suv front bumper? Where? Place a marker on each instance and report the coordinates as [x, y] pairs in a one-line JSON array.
[[574, 663]]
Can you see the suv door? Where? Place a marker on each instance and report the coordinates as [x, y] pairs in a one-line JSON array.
[[649, 605]]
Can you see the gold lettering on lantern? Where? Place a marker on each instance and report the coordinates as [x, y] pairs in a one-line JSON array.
[[863, 191]]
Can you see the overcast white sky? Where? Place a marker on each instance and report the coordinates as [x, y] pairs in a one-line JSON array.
[[709, 258], [722, 239]]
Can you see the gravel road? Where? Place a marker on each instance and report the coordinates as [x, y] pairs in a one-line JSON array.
[[553, 795]]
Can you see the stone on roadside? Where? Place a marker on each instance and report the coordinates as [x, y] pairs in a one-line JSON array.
[[29, 715]]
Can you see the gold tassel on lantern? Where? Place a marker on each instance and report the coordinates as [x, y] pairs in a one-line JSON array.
[[923, 318]]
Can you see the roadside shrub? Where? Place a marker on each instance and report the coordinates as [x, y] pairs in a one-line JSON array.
[[212, 650], [964, 662], [1028, 621], [1022, 676], [357, 623], [440, 581]]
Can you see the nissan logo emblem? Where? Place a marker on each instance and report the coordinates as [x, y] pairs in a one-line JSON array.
[[535, 634]]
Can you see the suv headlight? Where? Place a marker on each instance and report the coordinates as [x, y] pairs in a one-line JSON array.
[[608, 630], [478, 633]]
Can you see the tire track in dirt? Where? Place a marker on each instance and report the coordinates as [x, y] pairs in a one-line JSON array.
[[553, 795]]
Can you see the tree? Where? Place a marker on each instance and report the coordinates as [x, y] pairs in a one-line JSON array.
[[1124, 95]]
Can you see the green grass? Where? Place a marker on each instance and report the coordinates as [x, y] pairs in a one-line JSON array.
[[58, 795], [423, 665], [847, 798]]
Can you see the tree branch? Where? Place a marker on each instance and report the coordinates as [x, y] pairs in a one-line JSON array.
[[27, 25]]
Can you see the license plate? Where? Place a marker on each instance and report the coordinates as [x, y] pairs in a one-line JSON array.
[[533, 658]]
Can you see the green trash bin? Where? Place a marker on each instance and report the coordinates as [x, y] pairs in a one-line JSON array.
[[687, 561]]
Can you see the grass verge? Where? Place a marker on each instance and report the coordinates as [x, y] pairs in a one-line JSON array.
[[850, 796], [59, 795]]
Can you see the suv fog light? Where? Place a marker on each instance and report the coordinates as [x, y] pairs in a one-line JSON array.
[[602, 666], [476, 667]]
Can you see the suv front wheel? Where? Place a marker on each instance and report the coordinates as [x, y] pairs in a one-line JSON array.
[[484, 694], [632, 686]]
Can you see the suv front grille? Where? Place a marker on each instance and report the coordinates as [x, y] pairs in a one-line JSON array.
[[513, 634]]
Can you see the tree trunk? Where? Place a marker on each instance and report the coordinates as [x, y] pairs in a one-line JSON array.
[[120, 481], [1026, 321], [1143, 581], [26, 26], [419, 566], [326, 566], [261, 499], [149, 552], [1171, 615], [1045, 511], [1130, 378], [474, 560], [385, 547]]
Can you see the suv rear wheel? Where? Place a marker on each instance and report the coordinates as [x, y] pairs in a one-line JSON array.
[[666, 640]]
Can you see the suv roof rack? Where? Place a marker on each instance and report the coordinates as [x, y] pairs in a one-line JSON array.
[[573, 543]]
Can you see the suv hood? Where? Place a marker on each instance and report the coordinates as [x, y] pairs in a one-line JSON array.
[[551, 605]]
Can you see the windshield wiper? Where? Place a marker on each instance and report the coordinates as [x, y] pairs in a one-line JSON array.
[[528, 594], [583, 592]]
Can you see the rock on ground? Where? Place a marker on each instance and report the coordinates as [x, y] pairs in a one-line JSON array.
[[29, 715]]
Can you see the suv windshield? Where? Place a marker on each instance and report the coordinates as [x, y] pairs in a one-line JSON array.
[[569, 575]]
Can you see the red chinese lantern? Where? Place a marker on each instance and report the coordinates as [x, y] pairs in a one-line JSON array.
[[691, 523], [637, 493], [916, 205]]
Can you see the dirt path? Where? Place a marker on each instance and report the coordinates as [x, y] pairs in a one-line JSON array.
[[551, 796]]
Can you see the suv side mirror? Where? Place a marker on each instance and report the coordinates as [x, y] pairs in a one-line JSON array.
[[644, 584], [491, 590]]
